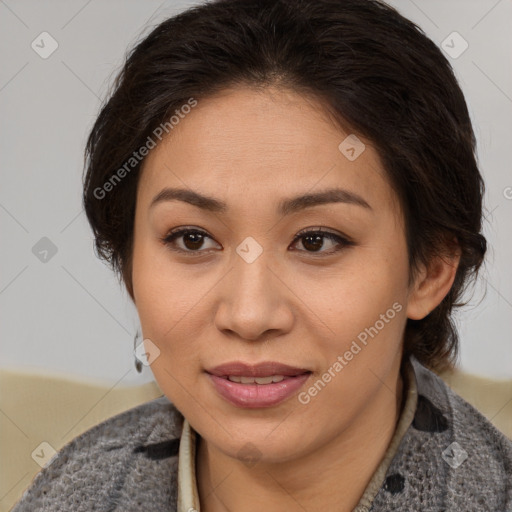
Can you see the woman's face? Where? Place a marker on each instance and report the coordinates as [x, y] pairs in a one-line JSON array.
[[247, 285]]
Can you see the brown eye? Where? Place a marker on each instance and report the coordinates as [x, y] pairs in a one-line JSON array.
[[192, 240], [314, 241]]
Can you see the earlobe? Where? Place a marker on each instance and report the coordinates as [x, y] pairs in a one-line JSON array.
[[431, 285]]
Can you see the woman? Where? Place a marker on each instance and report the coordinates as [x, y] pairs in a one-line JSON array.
[[290, 194]]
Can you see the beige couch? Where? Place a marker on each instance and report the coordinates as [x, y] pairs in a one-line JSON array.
[[41, 413]]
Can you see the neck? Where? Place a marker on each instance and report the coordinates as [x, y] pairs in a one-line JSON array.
[[333, 477]]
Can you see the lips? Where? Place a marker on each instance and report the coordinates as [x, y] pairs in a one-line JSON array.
[[261, 385]]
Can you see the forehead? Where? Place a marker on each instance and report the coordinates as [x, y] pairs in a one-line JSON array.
[[245, 143]]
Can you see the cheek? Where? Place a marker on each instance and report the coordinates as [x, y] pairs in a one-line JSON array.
[[366, 311], [172, 307], [160, 297], [158, 287], [166, 311], [375, 279]]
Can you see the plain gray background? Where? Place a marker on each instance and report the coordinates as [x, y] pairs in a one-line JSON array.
[[68, 315]]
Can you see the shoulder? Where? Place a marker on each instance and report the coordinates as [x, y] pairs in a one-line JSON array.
[[452, 413], [117, 465], [452, 457]]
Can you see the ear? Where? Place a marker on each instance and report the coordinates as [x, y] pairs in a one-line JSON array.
[[432, 284]]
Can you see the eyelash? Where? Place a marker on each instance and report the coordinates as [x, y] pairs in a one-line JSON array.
[[344, 242]]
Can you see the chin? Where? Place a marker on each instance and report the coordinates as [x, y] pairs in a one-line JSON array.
[[250, 444]]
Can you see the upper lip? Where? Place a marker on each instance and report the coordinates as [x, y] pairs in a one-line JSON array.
[[263, 369]]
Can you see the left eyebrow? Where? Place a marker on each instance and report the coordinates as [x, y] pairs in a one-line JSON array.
[[333, 195], [285, 207]]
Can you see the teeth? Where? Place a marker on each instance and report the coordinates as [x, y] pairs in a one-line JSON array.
[[263, 380], [256, 380]]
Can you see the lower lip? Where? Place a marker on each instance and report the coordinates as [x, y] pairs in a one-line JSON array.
[[258, 395]]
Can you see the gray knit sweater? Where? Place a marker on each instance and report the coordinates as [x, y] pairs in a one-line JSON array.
[[450, 459]]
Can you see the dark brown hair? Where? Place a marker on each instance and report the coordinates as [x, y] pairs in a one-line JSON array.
[[376, 71]]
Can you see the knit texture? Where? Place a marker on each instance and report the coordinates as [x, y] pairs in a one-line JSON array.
[[450, 459], [127, 463]]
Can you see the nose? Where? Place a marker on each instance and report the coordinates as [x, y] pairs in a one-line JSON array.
[[255, 303]]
